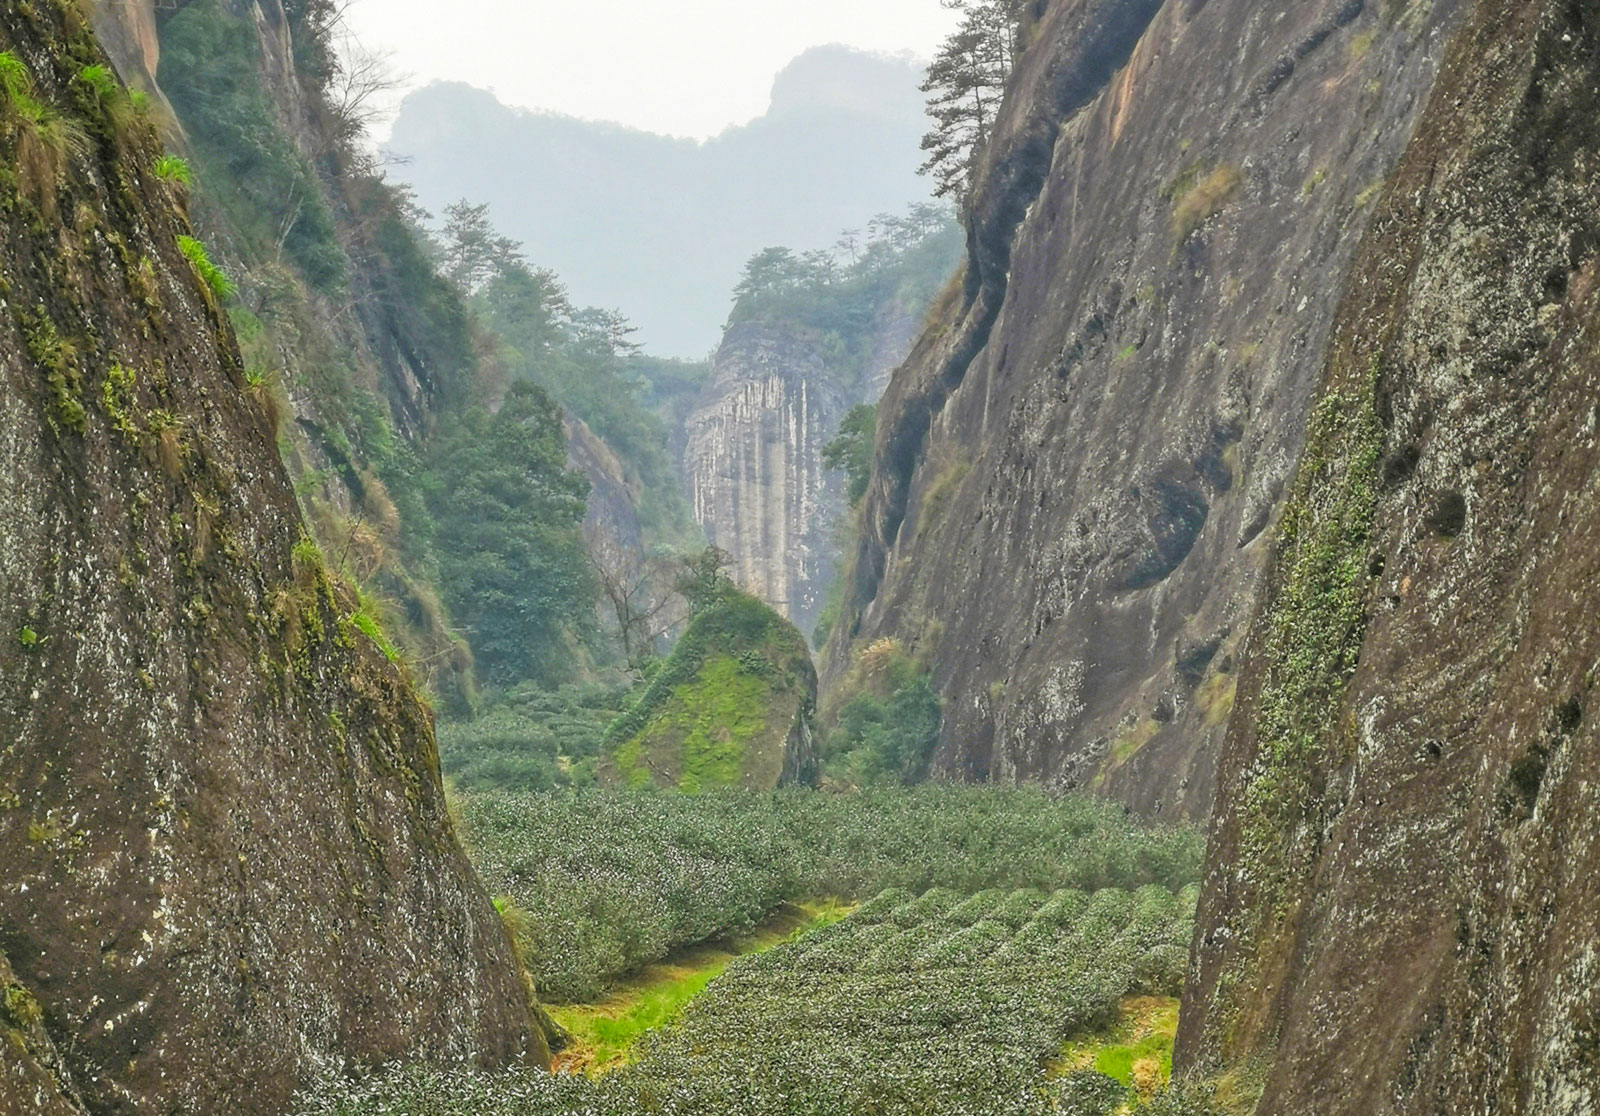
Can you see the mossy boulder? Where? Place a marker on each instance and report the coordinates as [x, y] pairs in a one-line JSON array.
[[732, 706]]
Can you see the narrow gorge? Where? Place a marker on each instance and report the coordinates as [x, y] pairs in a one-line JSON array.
[[1116, 635]]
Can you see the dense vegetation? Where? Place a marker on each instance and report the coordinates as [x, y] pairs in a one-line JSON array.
[[606, 881], [211, 65], [840, 297], [425, 366], [887, 722], [506, 516], [529, 737], [585, 358], [719, 710], [935, 1003]]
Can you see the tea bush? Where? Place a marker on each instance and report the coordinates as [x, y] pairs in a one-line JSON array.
[[613, 880], [826, 1025]]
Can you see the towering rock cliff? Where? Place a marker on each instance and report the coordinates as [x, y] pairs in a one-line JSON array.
[[809, 337], [1401, 910], [753, 464], [340, 313], [226, 853], [1077, 466]]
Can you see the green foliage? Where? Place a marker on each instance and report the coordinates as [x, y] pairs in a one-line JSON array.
[[171, 168], [116, 396], [506, 524], [877, 1014], [1316, 622], [27, 637], [369, 626], [45, 138], [584, 358], [877, 740], [713, 695], [966, 83], [215, 279], [16, 85], [211, 66], [58, 358], [528, 738], [612, 880], [115, 104], [840, 297], [850, 452], [887, 723], [606, 1033], [711, 719]]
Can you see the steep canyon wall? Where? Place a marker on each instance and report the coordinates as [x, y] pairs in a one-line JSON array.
[[1401, 910], [1078, 466], [225, 846]]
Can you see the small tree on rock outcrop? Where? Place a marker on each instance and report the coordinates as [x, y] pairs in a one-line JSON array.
[[965, 85]]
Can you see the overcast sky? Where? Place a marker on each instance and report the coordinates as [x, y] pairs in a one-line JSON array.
[[680, 67]]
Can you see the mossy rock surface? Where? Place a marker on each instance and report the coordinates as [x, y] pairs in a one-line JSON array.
[[32, 1078], [226, 856], [731, 707]]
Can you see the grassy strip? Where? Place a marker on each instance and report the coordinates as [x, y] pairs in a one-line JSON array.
[[603, 1033], [1137, 1051]]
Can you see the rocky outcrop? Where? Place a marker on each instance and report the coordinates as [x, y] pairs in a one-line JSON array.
[[731, 706], [225, 846], [1077, 466], [752, 462], [611, 524], [1402, 904]]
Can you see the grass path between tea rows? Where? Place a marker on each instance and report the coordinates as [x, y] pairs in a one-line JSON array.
[[603, 1033]]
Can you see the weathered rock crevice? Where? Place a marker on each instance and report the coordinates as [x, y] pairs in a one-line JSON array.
[[1078, 465]]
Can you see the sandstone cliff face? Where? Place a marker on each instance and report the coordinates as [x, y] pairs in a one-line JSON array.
[[224, 842], [1077, 466], [752, 462], [1402, 909]]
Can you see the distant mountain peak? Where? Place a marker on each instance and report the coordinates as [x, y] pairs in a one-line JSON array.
[[844, 78]]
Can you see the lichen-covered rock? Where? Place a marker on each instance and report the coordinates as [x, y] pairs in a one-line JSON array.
[[1076, 467], [731, 706], [224, 844], [1401, 910], [33, 1079]]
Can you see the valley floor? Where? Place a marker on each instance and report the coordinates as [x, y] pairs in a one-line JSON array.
[[990, 951]]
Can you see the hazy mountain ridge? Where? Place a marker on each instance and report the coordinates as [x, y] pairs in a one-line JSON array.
[[659, 227]]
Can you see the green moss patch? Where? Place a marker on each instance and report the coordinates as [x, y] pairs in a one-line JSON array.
[[720, 710], [1136, 1050]]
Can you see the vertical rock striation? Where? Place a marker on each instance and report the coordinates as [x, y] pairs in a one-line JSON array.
[[753, 465], [1077, 466], [1401, 910], [226, 853]]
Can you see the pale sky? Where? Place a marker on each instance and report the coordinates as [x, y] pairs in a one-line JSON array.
[[685, 68]]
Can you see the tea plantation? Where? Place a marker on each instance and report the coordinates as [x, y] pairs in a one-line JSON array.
[[938, 1003], [598, 883]]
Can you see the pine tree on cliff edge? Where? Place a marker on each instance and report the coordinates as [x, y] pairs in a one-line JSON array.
[[965, 84]]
